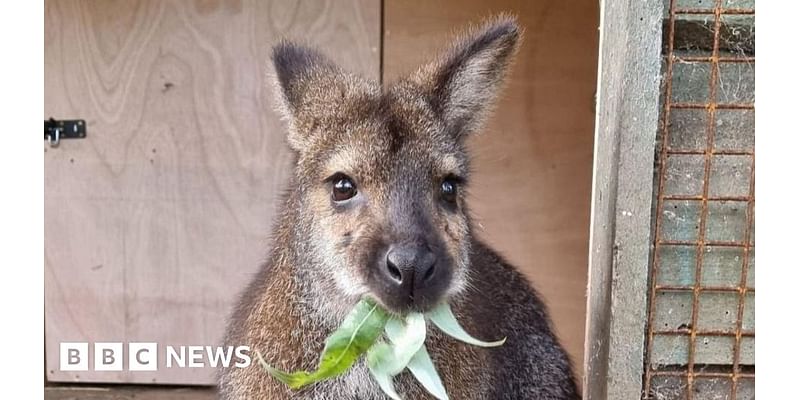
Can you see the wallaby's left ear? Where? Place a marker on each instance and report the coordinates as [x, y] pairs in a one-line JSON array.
[[463, 83]]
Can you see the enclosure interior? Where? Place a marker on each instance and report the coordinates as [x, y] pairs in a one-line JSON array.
[[159, 217]]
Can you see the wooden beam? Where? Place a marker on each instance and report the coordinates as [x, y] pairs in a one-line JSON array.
[[626, 125]]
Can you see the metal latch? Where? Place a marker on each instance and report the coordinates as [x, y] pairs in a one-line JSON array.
[[55, 130]]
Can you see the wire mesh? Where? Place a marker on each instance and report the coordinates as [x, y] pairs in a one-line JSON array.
[[701, 320]]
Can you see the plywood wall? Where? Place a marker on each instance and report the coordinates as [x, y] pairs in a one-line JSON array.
[[533, 164], [156, 221]]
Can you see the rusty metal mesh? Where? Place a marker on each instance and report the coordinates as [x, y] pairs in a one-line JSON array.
[[701, 319]]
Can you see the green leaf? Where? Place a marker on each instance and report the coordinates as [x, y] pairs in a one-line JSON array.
[[387, 360], [360, 329], [375, 357], [381, 358], [292, 380], [442, 316], [407, 338], [422, 367]]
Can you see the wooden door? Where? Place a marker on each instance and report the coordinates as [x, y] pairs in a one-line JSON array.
[[533, 162], [157, 219]]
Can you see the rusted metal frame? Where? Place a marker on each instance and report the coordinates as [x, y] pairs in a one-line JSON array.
[[706, 243], [701, 374], [697, 59], [719, 106], [710, 198], [715, 152], [660, 200], [701, 243], [676, 288], [711, 129], [743, 282], [716, 10], [705, 333]]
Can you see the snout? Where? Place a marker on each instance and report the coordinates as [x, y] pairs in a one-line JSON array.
[[413, 276], [410, 267]]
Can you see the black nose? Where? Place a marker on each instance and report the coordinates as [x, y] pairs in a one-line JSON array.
[[411, 267]]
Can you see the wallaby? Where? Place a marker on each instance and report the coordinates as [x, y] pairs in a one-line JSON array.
[[376, 207]]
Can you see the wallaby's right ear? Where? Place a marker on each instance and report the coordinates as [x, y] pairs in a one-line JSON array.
[[305, 81]]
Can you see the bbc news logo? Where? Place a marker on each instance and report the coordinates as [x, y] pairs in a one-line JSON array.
[[144, 356]]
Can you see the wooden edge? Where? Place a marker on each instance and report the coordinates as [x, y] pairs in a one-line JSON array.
[[622, 186], [125, 392]]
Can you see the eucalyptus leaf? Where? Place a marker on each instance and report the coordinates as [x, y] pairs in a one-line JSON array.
[[386, 360], [359, 331], [375, 357], [421, 366], [442, 316], [405, 348], [407, 337]]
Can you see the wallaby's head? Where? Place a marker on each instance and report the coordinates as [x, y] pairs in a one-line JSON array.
[[382, 173]]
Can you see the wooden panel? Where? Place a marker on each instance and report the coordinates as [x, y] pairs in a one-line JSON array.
[[533, 164], [121, 392], [621, 203], [156, 221]]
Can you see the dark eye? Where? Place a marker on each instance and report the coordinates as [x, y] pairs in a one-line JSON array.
[[449, 190], [343, 188]]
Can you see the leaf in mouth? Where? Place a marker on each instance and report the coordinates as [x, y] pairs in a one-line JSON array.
[[415, 357], [379, 357], [442, 316], [405, 348], [421, 366], [386, 360], [359, 331], [406, 336]]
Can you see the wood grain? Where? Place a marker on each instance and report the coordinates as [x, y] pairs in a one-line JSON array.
[[627, 122], [156, 221], [129, 392], [533, 164]]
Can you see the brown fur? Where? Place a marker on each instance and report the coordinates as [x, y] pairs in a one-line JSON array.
[[398, 144]]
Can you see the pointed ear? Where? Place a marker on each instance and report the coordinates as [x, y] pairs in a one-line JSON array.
[[306, 83], [464, 82]]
